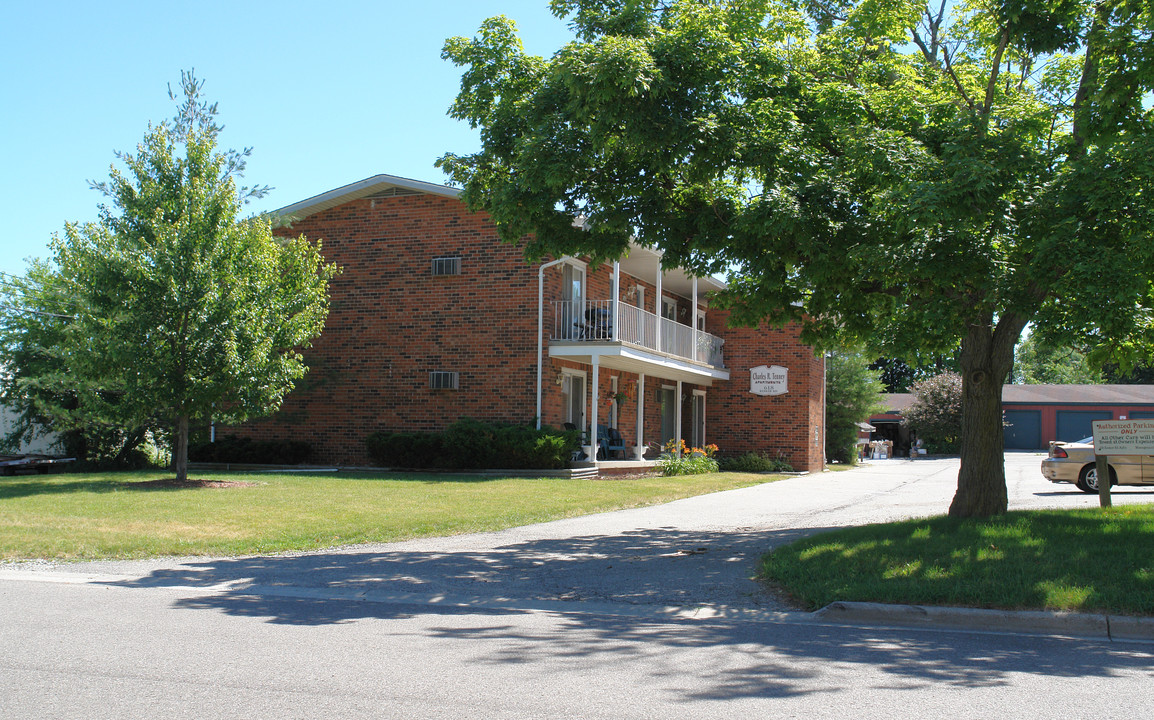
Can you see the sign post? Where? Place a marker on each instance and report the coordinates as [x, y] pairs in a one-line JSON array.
[[1118, 437]]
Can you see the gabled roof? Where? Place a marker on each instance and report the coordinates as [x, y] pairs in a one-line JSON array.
[[375, 186]]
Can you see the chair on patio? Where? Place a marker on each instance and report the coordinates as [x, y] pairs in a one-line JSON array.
[[609, 441], [597, 326]]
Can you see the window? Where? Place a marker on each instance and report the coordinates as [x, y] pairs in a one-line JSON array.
[[573, 397], [668, 395], [698, 420], [668, 308], [572, 306], [446, 266], [441, 380], [613, 405]]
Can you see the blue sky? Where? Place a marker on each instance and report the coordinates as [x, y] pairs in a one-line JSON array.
[[325, 94]]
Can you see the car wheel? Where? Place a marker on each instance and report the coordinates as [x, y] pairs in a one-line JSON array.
[[1088, 479]]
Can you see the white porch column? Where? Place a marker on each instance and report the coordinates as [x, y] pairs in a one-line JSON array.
[[693, 321], [591, 449], [657, 309], [677, 415], [639, 447], [616, 298]]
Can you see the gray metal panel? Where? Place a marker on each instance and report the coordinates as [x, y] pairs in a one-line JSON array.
[[1075, 424], [1023, 429]]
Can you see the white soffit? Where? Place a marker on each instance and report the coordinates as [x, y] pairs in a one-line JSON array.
[[369, 186]]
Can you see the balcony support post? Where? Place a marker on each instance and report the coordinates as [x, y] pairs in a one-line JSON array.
[[639, 447], [591, 450], [693, 322], [616, 299], [657, 309]]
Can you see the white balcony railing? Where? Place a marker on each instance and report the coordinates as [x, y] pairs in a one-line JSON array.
[[593, 322]]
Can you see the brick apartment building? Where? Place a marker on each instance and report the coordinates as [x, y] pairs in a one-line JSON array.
[[433, 319]]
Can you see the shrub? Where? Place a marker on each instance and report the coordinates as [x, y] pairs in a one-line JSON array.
[[413, 450], [936, 413], [474, 444], [232, 449], [755, 463], [679, 460]]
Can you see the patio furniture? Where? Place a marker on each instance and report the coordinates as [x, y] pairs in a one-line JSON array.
[[609, 441], [597, 325]]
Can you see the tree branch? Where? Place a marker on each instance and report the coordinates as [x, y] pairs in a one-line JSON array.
[[957, 82], [997, 66]]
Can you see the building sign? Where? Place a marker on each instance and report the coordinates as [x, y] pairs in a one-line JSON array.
[[1123, 437], [769, 380]]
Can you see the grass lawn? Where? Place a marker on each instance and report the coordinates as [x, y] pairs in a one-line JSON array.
[[125, 515], [1080, 560]]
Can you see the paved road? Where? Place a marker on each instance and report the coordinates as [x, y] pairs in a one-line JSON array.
[[641, 613]]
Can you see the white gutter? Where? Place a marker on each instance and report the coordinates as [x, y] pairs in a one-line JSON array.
[[541, 326]]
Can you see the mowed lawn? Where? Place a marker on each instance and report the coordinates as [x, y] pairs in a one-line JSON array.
[[1083, 560], [130, 515]]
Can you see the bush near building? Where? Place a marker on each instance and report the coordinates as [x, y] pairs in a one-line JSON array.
[[474, 444]]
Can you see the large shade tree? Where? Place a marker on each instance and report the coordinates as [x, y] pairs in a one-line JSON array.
[[171, 308], [887, 172]]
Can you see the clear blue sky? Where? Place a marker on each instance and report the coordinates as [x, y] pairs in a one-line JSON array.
[[325, 93]]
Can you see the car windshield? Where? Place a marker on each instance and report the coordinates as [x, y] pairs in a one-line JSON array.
[[1087, 441]]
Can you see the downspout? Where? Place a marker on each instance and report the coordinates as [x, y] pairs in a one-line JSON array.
[[541, 326]]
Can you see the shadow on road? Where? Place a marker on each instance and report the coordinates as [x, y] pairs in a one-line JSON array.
[[646, 568]]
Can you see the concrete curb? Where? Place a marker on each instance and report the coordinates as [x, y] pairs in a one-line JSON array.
[[1034, 622]]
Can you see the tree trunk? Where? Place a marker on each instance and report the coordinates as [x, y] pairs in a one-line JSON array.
[[986, 359], [180, 448]]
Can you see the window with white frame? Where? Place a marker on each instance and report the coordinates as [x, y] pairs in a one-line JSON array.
[[573, 398]]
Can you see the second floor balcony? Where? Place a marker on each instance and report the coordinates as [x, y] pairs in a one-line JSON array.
[[603, 321]]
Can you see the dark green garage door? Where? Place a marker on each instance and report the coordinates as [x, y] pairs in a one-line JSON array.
[[1023, 429], [1075, 424]]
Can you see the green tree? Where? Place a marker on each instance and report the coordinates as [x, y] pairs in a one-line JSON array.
[[936, 414], [899, 374], [853, 392], [34, 312], [1036, 363], [914, 178], [180, 310]]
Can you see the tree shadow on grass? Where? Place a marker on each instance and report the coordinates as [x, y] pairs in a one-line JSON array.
[[30, 486], [607, 593], [15, 486]]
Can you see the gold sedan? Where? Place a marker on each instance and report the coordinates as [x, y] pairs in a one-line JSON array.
[[1073, 462]]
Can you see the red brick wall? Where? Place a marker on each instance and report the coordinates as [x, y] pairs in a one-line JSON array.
[[391, 323], [790, 424]]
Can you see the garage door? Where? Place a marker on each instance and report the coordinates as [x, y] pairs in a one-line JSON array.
[[1075, 424], [1023, 429]]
